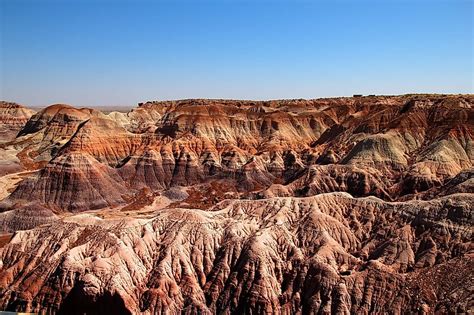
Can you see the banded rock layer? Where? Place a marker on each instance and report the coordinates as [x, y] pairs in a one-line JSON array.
[[13, 118], [342, 205], [390, 147]]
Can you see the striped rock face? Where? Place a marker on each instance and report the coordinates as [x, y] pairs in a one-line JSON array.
[[342, 205], [12, 119]]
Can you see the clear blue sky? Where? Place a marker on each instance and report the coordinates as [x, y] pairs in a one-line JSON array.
[[106, 52]]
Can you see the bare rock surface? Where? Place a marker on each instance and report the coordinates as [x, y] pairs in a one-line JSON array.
[[327, 253], [389, 147], [340, 205], [12, 119]]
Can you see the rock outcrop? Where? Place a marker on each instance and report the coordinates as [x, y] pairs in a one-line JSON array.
[[12, 119], [73, 181], [388, 147], [330, 253], [342, 205], [26, 217]]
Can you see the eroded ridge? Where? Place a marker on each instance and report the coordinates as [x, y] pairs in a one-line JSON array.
[[341, 205]]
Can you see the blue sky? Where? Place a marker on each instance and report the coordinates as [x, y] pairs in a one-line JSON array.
[[105, 52]]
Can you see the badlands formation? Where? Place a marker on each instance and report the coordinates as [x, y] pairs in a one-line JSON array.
[[330, 206]]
